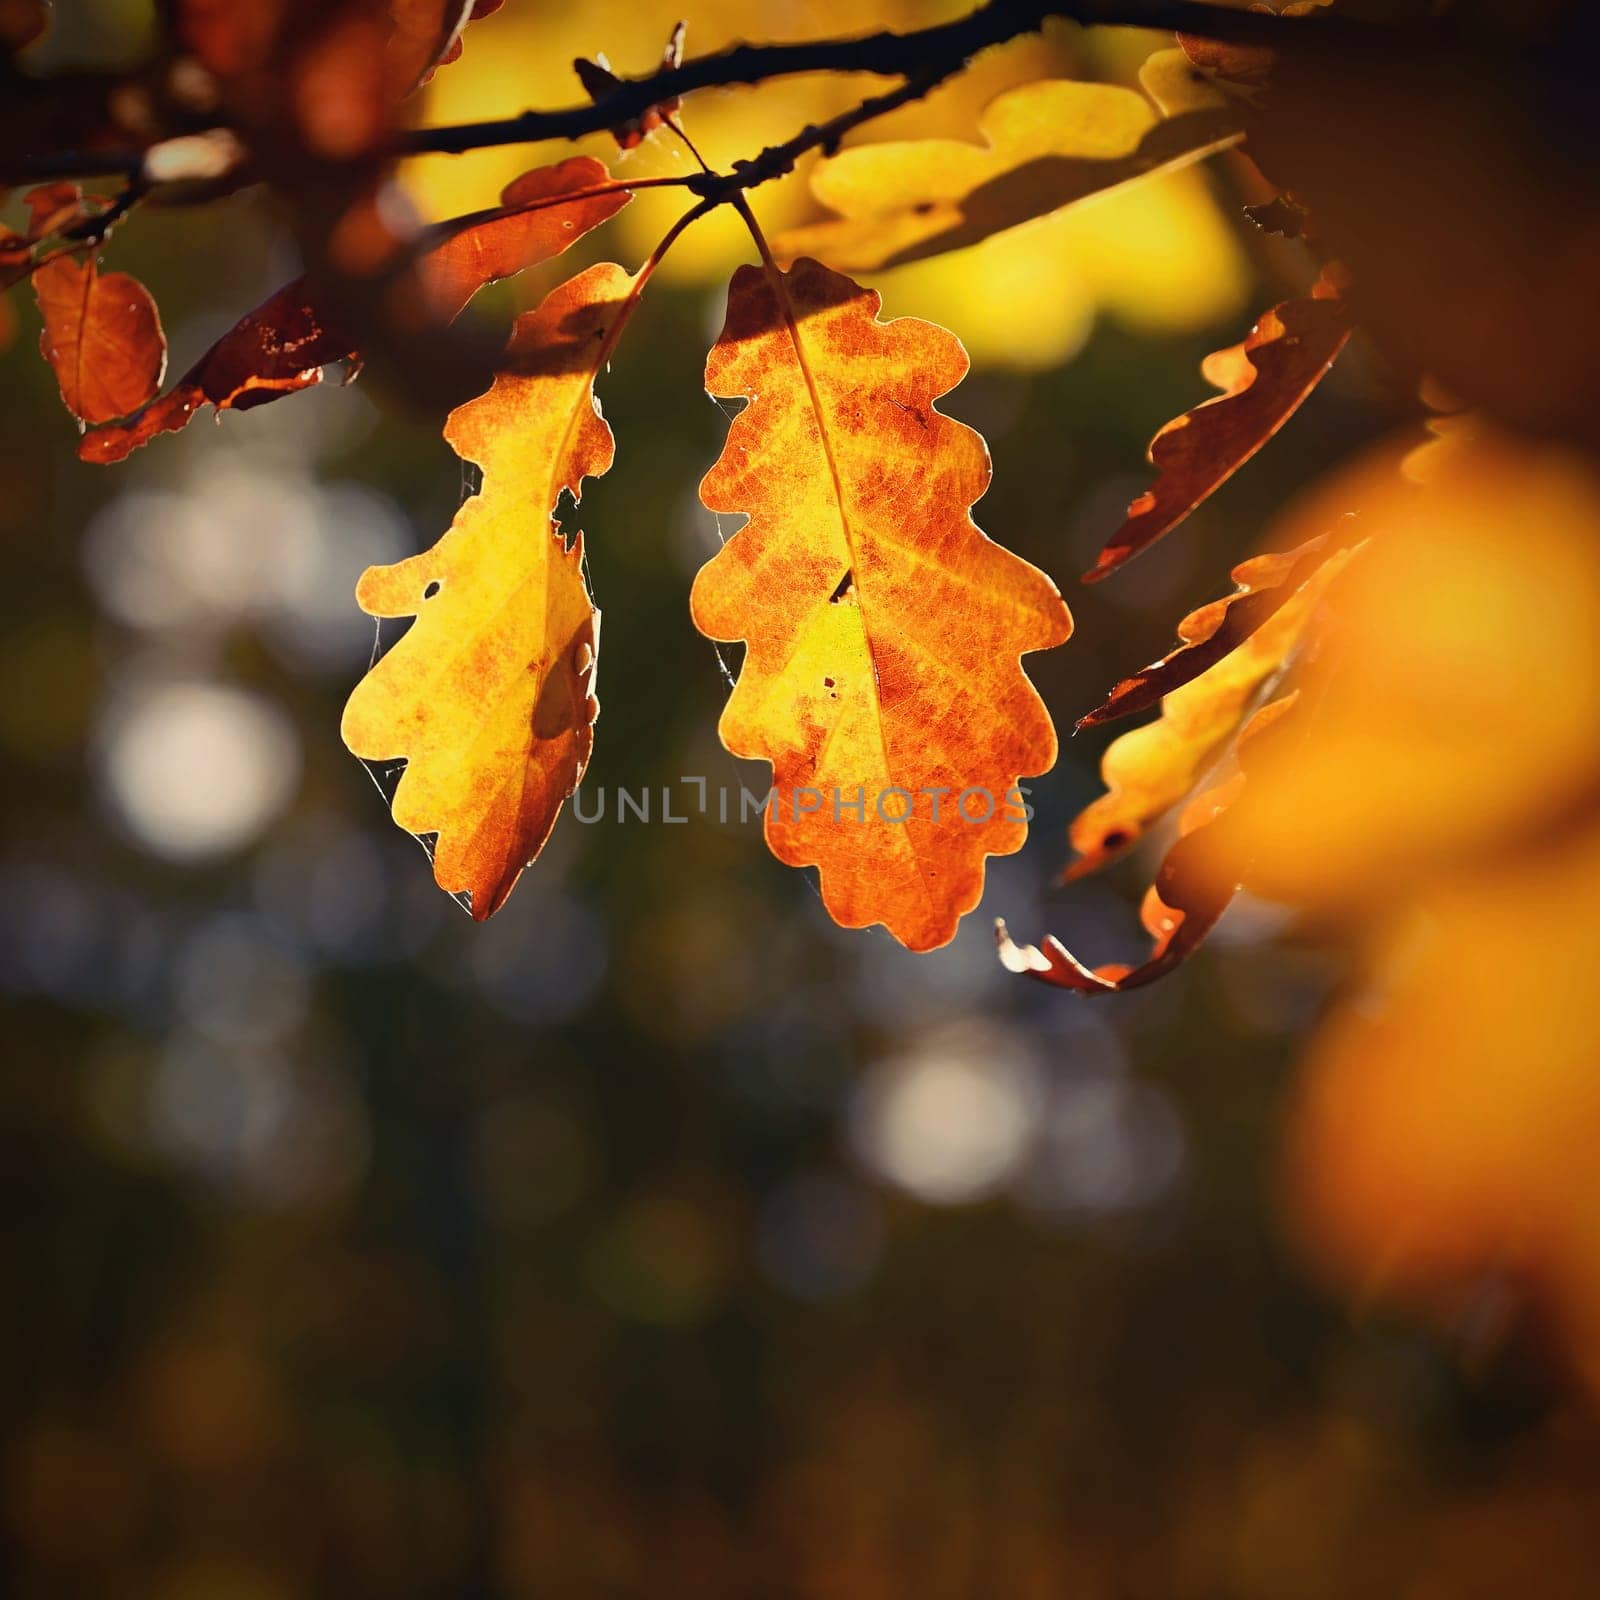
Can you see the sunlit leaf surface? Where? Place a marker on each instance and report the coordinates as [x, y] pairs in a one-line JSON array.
[[883, 629], [1264, 379], [1049, 144], [102, 337], [489, 697]]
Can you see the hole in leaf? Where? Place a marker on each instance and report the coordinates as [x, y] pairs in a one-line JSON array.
[[845, 585], [432, 589], [566, 510]]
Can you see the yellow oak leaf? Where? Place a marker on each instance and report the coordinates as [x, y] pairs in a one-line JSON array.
[[1150, 769], [489, 697]]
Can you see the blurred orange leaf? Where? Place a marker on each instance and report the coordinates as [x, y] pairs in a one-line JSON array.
[[883, 629], [1475, 614], [285, 342], [102, 336], [452, 52], [1264, 379], [489, 697], [425, 34], [1049, 144], [331, 74]]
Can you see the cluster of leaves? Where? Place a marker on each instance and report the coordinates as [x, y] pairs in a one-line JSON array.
[[883, 629]]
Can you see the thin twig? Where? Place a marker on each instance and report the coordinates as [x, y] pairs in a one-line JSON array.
[[779, 159]]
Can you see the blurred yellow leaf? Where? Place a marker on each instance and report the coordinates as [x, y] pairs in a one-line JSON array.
[[1448, 1124], [1049, 144], [1157, 255], [1456, 710]]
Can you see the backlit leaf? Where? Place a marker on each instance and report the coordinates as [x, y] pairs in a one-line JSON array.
[[423, 33], [285, 342], [1264, 584], [489, 697], [1049, 144], [1264, 379], [883, 629], [1180, 908], [1150, 769], [102, 336]]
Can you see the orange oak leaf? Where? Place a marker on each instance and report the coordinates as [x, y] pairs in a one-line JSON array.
[[1264, 379], [488, 699], [285, 342], [427, 34], [1188, 897], [1150, 769], [1047, 145], [235, 37], [102, 336], [1263, 585], [881, 677]]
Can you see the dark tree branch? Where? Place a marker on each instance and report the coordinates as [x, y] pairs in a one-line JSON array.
[[936, 52], [925, 56]]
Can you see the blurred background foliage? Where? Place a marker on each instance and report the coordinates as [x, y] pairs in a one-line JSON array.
[[660, 1238]]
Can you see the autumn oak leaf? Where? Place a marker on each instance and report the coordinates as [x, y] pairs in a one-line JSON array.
[[1047, 145], [102, 337], [883, 629], [1192, 888], [1263, 586], [1264, 380], [1152, 768], [488, 699]]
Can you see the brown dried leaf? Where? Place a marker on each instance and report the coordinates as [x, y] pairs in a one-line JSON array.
[[285, 342], [1264, 380], [599, 82]]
